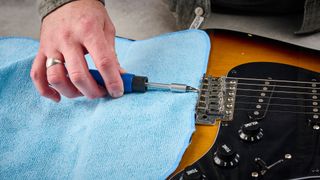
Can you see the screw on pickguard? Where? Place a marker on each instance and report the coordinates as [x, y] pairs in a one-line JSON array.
[[264, 94], [313, 107], [263, 168]]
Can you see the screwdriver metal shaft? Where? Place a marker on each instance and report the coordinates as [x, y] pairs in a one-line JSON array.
[[173, 87]]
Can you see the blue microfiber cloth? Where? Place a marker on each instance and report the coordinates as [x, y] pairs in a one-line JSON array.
[[137, 136]]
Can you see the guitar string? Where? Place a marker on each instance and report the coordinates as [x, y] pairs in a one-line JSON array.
[[286, 111], [284, 92], [276, 86], [314, 111], [267, 85], [276, 97], [282, 98], [279, 111], [311, 109], [309, 101], [269, 104], [266, 91], [281, 86], [273, 80], [275, 104], [281, 105]]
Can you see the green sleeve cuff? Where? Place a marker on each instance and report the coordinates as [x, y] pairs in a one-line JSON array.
[[45, 7]]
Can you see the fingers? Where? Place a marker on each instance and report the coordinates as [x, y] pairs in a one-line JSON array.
[[103, 54], [63, 34], [39, 77], [78, 72], [57, 77]]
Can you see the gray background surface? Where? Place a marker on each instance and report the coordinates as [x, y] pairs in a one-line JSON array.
[[140, 19], [137, 19]]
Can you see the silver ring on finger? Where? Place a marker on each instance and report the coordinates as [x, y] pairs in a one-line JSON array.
[[52, 61]]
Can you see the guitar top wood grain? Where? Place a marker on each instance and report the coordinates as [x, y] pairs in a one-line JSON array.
[[230, 49]]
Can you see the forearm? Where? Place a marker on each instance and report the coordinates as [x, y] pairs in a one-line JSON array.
[[45, 7]]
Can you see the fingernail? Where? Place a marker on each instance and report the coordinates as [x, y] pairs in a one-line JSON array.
[[116, 94], [56, 97], [55, 100]]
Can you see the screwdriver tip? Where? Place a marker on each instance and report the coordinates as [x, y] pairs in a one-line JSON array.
[[192, 89]]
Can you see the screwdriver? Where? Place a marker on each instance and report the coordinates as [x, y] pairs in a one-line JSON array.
[[133, 83]]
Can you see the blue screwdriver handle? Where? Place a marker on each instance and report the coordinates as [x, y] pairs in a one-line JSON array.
[[131, 82]]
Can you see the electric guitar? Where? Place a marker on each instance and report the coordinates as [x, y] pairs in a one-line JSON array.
[[257, 113]]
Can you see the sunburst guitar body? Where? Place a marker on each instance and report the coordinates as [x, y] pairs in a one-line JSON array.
[[257, 113]]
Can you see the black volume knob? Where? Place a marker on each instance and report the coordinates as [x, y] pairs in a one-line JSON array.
[[225, 156], [193, 173], [251, 131]]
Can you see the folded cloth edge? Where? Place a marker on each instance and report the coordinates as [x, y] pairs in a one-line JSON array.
[[188, 140]]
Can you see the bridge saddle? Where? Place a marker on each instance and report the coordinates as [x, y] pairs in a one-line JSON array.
[[216, 100]]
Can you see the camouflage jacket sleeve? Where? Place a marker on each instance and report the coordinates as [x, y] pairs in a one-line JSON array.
[[47, 6]]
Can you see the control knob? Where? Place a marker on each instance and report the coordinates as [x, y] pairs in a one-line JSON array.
[[225, 156], [251, 131], [193, 173]]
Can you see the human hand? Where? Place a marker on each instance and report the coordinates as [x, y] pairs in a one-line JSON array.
[[67, 34]]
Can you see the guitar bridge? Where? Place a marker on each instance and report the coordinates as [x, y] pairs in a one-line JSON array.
[[216, 100]]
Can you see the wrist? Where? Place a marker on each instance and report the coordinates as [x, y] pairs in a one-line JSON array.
[[45, 7]]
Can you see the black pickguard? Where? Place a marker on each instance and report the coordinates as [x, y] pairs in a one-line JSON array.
[[284, 132]]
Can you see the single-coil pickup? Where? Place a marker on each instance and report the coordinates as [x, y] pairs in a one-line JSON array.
[[314, 119], [260, 107]]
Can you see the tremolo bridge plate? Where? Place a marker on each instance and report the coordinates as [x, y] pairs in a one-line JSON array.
[[216, 100]]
